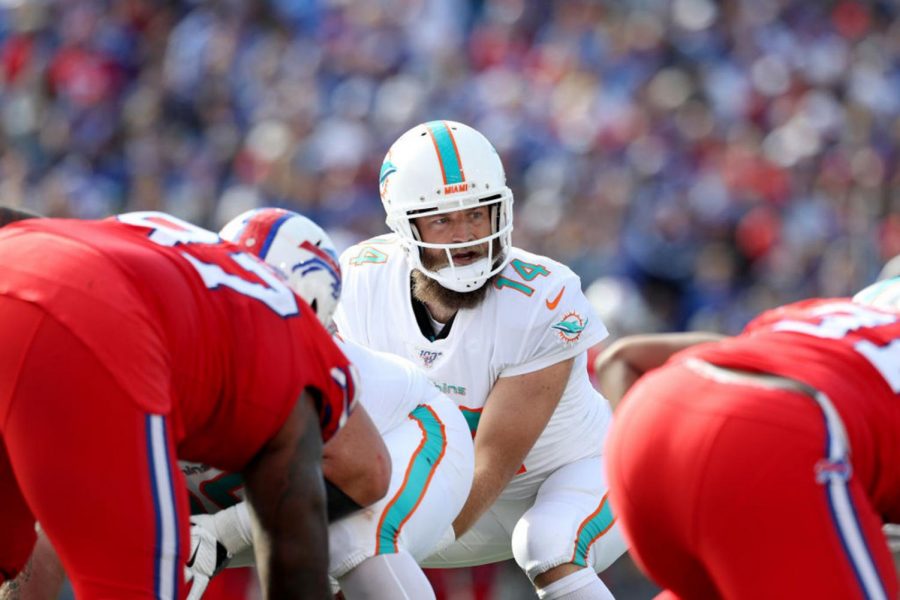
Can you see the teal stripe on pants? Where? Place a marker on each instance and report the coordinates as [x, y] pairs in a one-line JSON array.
[[592, 529], [421, 468]]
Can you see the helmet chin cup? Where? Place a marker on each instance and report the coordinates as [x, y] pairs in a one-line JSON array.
[[465, 278], [462, 278]]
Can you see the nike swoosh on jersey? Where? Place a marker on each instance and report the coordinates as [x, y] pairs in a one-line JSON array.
[[551, 304]]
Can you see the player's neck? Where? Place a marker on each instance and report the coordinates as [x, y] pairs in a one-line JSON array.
[[440, 313]]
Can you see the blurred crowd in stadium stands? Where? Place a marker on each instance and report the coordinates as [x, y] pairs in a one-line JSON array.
[[716, 158], [701, 160]]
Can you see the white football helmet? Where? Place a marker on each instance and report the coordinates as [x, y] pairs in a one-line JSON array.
[[440, 167], [883, 294], [295, 246]]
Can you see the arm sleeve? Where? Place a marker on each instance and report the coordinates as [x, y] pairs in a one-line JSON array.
[[561, 324], [349, 306]]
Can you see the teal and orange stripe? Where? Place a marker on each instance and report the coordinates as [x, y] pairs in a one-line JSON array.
[[472, 416], [598, 523], [448, 153], [422, 466]]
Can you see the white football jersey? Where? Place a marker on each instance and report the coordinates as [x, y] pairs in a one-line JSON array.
[[536, 315], [390, 388]]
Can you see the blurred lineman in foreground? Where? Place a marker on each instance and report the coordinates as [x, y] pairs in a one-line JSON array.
[[130, 342], [782, 443]]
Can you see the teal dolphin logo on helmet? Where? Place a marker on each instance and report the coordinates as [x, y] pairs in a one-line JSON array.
[[387, 167]]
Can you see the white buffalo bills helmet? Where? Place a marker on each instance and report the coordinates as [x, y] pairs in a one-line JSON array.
[[296, 247], [883, 294], [441, 167]]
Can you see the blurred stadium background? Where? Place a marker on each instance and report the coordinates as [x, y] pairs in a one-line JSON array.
[[694, 161]]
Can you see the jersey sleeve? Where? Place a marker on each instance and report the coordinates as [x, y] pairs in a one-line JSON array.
[[335, 383], [353, 289], [559, 323]]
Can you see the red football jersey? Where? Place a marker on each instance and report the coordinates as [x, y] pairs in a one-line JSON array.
[[849, 351], [236, 345]]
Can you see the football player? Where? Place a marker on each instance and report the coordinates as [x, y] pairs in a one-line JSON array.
[[504, 333], [779, 442], [134, 340]]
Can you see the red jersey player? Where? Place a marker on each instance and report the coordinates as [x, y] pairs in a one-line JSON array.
[[763, 465], [128, 342]]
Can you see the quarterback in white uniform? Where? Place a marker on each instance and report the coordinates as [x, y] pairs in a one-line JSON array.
[[503, 333], [373, 553]]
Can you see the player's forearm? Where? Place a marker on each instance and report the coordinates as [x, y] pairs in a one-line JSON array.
[[626, 360], [507, 432], [647, 352], [487, 484], [292, 561], [614, 376], [356, 461], [287, 500], [500, 451]]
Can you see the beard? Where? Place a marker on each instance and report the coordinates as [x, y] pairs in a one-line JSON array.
[[427, 290]]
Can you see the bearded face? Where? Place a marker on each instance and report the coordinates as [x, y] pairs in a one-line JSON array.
[[429, 291], [436, 259]]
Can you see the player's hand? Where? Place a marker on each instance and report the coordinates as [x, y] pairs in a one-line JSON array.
[[208, 556]]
